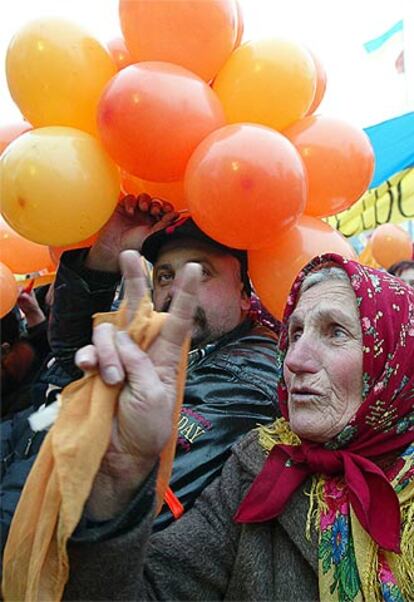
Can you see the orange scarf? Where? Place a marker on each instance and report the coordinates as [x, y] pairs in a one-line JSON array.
[[35, 565]]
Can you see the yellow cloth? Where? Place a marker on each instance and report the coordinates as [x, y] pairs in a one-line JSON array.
[[35, 565]]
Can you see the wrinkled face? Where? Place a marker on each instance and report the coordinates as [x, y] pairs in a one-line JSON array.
[[408, 276], [323, 365], [222, 301]]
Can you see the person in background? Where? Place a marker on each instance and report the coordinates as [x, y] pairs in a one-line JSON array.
[[24, 349], [404, 270]]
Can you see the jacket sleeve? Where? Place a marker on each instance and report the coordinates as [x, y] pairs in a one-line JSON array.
[[224, 399], [79, 293], [18, 453], [192, 559]]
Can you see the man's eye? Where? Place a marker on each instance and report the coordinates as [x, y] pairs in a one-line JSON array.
[[164, 278]]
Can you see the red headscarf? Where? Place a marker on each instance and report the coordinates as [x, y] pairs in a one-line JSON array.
[[384, 423]]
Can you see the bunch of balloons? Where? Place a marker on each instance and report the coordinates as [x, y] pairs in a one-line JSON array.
[[189, 113]]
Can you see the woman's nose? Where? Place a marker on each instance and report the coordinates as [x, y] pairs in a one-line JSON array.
[[302, 355]]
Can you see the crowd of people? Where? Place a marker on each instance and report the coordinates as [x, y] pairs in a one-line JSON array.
[[293, 475]]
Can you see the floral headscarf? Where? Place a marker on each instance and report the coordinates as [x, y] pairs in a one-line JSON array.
[[366, 501]]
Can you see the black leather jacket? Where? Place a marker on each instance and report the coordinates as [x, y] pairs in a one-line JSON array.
[[230, 386]]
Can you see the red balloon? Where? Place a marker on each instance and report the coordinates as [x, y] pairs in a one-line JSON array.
[[320, 83], [152, 116], [244, 184], [9, 132], [120, 53], [274, 269], [339, 160]]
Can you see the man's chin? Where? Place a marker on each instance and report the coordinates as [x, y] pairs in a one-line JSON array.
[[200, 337]]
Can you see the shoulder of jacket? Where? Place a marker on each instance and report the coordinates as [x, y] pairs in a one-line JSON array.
[[249, 453]]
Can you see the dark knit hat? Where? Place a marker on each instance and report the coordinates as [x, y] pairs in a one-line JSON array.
[[185, 227]]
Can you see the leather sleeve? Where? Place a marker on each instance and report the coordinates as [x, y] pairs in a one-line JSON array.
[[79, 293], [227, 395]]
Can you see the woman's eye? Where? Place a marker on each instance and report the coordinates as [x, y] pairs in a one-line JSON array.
[[295, 335], [338, 332]]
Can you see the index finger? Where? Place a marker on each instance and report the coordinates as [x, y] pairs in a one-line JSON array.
[[135, 280]]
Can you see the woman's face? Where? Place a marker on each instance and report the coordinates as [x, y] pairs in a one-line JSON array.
[[323, 365]]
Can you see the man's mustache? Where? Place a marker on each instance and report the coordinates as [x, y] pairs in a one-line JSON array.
[[200, 317]]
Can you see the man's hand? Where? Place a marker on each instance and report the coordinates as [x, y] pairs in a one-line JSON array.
[[132, 221], [144, 420]]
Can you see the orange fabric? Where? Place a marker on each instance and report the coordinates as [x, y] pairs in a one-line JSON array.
[[35, 565], [173, 503]]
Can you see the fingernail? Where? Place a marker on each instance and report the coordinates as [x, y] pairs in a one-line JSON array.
[[112, 375], [81, 358]]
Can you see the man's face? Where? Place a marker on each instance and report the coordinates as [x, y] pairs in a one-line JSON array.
[[222, 300]]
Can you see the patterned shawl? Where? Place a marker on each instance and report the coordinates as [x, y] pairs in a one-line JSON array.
[[364, 477]]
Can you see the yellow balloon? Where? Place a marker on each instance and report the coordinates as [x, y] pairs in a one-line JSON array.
[[271, 82], [56, 73], [57, 185]]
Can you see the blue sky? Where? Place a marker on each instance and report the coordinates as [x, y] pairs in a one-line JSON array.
[[360, 89]]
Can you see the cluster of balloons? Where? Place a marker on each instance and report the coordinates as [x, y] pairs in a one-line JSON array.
[[189, 113]]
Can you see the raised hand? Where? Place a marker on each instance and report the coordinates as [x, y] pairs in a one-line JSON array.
[[132, 221], [144, 418], [29, 305]]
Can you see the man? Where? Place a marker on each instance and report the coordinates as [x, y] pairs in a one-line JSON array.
[[231, 377]]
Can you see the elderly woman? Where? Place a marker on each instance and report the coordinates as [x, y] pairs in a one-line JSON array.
[[318, 506]]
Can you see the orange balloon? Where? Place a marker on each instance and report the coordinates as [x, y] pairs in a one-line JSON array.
[[366, 257], [274, 269], [8, 290], [120, 53], [389, 244], [56, 72], [55, 253], [152, 116], [195, 34], [271, 82], [320, 83], [245, 183], [11, 131], [173, 192], [240, 25], [22, 256], [339, 160]]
